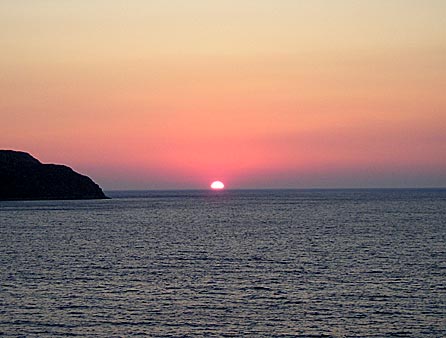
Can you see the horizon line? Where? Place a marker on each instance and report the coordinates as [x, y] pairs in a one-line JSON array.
[[251, 189]]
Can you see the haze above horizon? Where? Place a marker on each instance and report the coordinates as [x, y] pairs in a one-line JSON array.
[[258, 94]]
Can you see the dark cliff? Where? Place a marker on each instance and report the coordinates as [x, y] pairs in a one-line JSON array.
[[22, 177]]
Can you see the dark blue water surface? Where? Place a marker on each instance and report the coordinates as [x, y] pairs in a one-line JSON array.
[[335, 263]]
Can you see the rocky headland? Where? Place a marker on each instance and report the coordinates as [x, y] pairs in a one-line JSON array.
[[23, 177]]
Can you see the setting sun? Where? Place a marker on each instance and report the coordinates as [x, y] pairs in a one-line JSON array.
[[217, 185]]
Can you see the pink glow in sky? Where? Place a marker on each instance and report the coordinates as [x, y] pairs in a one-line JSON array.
[[268, 93]]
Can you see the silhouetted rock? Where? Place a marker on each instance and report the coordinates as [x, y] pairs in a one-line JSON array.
[[22, 177]]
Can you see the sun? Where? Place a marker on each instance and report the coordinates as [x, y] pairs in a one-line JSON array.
[[217, 185]]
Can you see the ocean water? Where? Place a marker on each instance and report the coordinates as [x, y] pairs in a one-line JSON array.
[[291, 263]]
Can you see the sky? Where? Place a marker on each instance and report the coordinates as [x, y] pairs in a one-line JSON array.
[[256, 93]]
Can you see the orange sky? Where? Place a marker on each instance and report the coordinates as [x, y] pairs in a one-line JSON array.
[[265, 93]]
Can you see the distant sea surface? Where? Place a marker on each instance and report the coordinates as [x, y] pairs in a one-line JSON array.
[[291, 263]]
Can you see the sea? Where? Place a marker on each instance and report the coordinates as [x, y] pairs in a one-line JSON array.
[[231, 263]]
